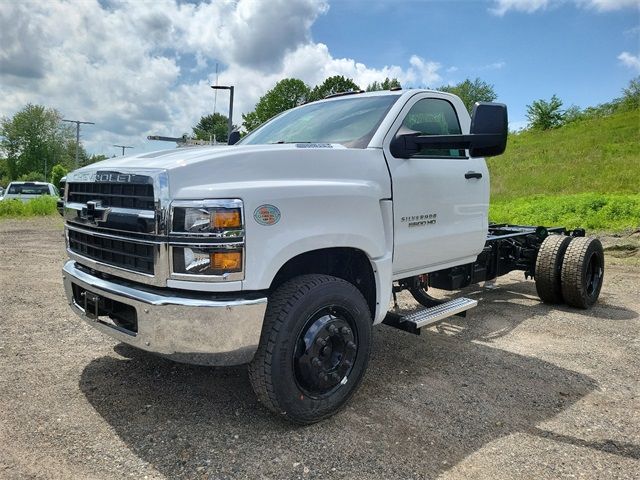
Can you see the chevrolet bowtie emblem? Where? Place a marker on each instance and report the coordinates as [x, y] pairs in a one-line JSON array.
[[94, 213]]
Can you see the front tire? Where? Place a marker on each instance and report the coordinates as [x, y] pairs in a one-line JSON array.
[[314, 348]]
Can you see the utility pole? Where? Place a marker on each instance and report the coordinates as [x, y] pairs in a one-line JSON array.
[[230, 88], [78, 122], [122, 147]]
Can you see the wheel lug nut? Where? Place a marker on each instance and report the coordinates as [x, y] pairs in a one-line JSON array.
[[321, 342], [333, 329], [316, 362], [346, 330], [323, 377], [335, 376], [351, 345]]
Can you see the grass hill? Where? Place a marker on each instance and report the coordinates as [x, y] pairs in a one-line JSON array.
[[586, 173]]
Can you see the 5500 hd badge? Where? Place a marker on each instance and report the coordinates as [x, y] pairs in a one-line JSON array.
[[420, 220]]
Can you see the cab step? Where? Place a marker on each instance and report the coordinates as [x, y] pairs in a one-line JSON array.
[[413, 322]]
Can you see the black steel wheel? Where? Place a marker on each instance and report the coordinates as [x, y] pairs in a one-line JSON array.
[[325, 351], [582, 272], [549, 266], [314, 348]]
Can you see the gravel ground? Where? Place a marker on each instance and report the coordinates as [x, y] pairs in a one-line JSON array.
[[515, 390]]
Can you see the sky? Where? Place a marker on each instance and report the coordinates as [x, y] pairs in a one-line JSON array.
[[139, 68]]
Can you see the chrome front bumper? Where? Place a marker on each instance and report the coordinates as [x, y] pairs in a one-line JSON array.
[[196, 328]]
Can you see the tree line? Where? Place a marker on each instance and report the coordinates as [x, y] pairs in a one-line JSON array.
[[36, 145], [549, 114]]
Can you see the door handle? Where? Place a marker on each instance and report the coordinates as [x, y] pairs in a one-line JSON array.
[[469, 175]]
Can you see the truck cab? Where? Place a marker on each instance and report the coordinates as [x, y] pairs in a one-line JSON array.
[[284, 250]]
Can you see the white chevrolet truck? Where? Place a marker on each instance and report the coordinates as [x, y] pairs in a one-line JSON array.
[[282, 251]]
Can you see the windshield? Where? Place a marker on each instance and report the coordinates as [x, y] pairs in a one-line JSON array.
[[28, 190], [350, 122]]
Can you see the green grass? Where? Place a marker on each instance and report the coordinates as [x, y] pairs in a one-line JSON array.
[[597, 155], [593, 211], [39, 206], [584, 174]]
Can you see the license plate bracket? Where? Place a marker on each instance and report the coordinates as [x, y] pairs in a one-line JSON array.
[[91, 304]]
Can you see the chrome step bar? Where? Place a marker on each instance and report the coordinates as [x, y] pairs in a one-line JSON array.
[[427, 316]]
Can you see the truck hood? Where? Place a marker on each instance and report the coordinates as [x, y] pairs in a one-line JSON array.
[[228, 171]]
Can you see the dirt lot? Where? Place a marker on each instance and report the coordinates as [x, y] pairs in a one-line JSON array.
[[515, 390]]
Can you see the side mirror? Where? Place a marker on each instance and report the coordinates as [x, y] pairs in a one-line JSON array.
[[234, 137], [488, 137], [489, 127]]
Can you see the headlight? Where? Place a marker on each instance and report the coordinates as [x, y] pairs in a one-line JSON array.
[[209, 217], [197, 232], [207, 261]]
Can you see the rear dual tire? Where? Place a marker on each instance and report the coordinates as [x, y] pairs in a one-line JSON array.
[[570, 270], [582, 272], [549, 267]]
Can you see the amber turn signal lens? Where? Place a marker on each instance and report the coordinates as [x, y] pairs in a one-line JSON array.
[[227, 218], [227, 261]]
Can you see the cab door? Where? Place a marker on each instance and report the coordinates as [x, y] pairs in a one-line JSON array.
[[440, 197]]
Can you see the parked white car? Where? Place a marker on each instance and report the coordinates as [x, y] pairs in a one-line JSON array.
[[26, 191]]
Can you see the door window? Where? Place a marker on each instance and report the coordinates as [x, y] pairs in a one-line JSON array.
[[434, 116]]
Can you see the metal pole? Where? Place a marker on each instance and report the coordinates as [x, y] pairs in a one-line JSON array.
[[230, 112], [77, 144], [78, 122], [122, 147]]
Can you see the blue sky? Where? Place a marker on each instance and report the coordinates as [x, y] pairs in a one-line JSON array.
[[138, 68], [564, 50]]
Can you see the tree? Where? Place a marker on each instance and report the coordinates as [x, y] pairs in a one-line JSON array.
[[543, 115], [471, 92], [34, 140], [331, 85], [631, 94], [213, 126], [386, 84], [286, 94], [57, 172], [572, 114]]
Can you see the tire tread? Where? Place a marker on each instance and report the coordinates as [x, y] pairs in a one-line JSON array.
[[281, 301], [548, 268], [573, 287]]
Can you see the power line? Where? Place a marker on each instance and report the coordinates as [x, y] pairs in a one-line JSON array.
[[78, 122], [122, 147]]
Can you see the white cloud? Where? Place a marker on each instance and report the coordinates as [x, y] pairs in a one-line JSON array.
[[629, 60], [136, 68], [503, 6], [500, 7], [493, 66], [609, 5]]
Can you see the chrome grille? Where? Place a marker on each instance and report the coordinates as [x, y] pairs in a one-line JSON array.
[[130, 255], [120, 195]]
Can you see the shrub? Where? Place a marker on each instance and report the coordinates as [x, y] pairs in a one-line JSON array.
[[40, 206]]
